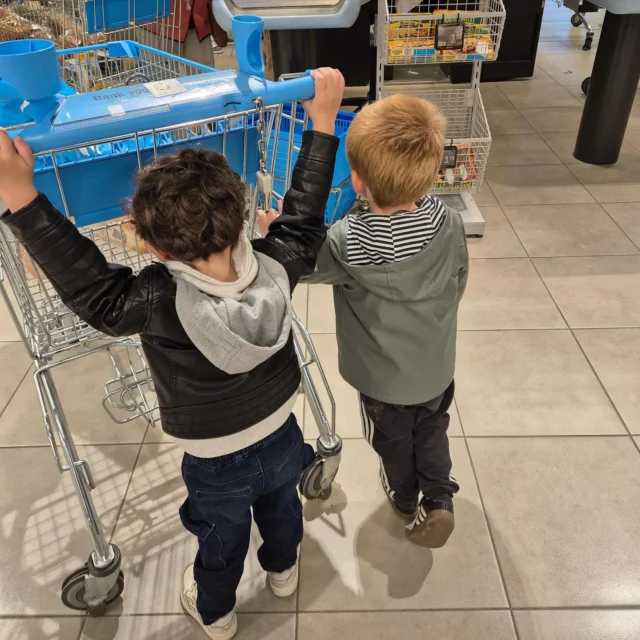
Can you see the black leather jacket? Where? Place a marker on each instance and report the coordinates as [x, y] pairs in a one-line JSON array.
[[196, 399]]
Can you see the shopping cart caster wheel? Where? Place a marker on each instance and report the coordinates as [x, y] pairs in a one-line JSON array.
[[575, 20], [311, 479], [73, 593], [585, 86], [587, 44]]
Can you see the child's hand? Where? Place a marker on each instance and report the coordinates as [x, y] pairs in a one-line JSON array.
[[323, 107], [266, 218], [16, 172]]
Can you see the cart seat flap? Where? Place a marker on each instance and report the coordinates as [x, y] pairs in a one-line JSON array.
[[218, 90]]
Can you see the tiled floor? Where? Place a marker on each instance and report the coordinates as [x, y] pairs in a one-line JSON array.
[[548, 388]]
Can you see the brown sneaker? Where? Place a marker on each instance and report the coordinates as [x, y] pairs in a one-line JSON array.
[[434, 523]]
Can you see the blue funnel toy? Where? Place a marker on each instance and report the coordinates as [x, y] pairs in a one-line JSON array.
[[28, 73]]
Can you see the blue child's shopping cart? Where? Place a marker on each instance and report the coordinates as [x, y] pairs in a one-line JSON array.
[[119, 106]]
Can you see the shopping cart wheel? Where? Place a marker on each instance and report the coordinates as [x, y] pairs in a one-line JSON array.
[[73, 593], [310, 484], [587, 43], [585, 86], [576, 21]]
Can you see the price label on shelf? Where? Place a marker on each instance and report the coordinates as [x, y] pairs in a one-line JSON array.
[[449, 157]]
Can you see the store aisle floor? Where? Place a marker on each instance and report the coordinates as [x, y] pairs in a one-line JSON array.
[[545, 435]]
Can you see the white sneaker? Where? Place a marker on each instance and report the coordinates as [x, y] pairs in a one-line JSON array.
[[285, 583], [224, 628]]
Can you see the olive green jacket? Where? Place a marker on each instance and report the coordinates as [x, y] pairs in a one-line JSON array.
[[397, 322]]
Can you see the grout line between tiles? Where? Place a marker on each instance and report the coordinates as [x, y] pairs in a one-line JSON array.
[[126, 492], [493, 542], [82, 625], [24, 377], [586, 357], [635, 244]]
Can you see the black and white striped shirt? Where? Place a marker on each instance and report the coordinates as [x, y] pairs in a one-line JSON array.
[[378, 239]]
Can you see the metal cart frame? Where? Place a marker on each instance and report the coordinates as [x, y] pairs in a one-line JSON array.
[[54, 336]]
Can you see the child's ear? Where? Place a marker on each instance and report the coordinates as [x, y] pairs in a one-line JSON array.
[[163, 256], [358, 185]]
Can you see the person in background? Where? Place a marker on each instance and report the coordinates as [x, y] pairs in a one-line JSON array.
[[187, 33]]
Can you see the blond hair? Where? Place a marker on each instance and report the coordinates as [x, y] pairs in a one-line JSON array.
[[395, 146]]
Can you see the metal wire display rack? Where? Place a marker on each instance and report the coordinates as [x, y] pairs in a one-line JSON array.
[[410, 32]]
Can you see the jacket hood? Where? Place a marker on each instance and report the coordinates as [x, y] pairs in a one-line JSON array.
[[406, 280], [238, 325]]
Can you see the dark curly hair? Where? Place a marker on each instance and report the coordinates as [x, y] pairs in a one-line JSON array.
[[189, 205]]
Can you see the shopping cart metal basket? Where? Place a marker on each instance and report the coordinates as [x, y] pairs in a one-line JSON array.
[[236, 113], [74, 23]]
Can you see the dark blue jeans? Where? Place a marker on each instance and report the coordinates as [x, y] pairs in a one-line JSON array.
[[222, 492]]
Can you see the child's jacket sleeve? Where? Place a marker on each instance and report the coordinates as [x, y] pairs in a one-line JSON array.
[[295, 237], [107, 296], [327, 270]]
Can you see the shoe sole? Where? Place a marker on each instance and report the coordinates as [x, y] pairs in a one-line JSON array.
[[284, 592], [230, 633], [405, 516], [434, 531]]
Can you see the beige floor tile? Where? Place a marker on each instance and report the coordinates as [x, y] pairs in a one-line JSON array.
[[578, 625], [615, 356], [348, 422], [44, 537], [455, 427], [573, 74], [540, 184], [563, 145], [322, 315], [355, 554], [40, 628], [568, 230], [554, 119], [14, 364], [634, 138], [507, 121], [8, 331], [499, 241], [540, 78], [300, 298], [634, 119], [520, 149], [565, 526], [273, 626], [493, 98], [506, 294], [569, 59], [627, 215], [531, 97], [80, 385], [485, 197], [614, 183], [594, 292], [522, 383], [435, 625], [554, 47], [156, 547]]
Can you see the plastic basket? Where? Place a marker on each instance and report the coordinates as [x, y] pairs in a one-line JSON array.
[[468, 130], [410, 38], [342, 196]]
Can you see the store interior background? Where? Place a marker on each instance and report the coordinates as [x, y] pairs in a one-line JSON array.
[[545, 434]]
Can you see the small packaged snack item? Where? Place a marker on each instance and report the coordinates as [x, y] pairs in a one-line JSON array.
[[120, 232]]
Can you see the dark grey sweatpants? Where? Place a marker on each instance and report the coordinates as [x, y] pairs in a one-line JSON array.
[[413, 446]]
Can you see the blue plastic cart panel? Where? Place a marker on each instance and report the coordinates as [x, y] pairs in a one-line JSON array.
[[106, 15]]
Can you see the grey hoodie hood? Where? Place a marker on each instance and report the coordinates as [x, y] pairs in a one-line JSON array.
[[236, 327]]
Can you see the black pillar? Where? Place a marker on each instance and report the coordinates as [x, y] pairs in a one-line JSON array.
[[612, 90]]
